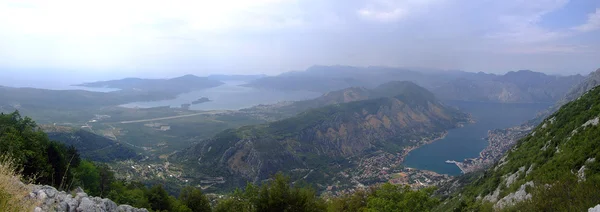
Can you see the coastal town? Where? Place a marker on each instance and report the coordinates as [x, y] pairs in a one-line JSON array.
[[384, 167], [500, 141]]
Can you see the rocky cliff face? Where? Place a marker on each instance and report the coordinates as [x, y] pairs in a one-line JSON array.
[[320, 141], [50, 199]]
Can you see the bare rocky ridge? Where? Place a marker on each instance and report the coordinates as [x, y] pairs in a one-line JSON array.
[[50, 199]]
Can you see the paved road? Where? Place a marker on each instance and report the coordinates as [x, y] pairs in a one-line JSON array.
[[212, 112]]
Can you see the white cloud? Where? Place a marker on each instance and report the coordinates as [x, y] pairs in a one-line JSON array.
[[119, 18], [393, 10], [280, 35], [518, 21], [592, 23], [115, 33], [392, 15]]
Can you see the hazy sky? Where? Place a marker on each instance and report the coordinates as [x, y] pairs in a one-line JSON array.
[[157, 38]]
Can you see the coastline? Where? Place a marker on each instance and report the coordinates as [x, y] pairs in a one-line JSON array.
[[407, 150], [499, 142]]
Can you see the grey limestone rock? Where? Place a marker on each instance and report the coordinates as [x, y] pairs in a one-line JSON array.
[[50, 199]]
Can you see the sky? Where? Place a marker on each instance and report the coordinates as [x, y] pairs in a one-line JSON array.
[[108, 39]]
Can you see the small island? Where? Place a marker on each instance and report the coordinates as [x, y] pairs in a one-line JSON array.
[[201, 100]]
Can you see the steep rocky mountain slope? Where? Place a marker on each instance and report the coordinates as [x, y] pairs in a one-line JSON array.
[[315, 145], [556, 167]]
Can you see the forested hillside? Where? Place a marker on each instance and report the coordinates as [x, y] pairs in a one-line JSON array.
[[91, 146], [554, 168], [26, 150]]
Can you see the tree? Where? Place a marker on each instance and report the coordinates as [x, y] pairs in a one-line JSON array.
[[401, 198], [276, 195], [356, 201], [107, 177], [194, 199], [89, 177], [130, 193], [158, 198]]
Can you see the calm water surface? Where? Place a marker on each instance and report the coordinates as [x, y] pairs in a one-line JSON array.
[[468, 141], [229, 96]]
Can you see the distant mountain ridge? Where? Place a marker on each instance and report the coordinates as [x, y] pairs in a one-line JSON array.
[[181, 84], [522, 86], [235, 77], [322, 139], [131, 90], [346, 95]]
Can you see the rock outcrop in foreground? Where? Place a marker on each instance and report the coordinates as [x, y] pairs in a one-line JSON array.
[[50, 199]]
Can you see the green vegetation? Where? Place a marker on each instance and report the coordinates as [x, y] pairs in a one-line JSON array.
[[194, 199], [559, 160], [387, 197], [276, 195], [49, 162], [42, 161], [99, 180], [280, 195], [558, 164], [92, 146], [11, 190]]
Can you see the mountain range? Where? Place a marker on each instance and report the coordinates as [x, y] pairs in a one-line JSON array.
[[319, 142], [131, 90], [521, 86], [178, 85]]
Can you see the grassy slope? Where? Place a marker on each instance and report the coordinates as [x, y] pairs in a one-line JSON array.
[[12, 191]]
